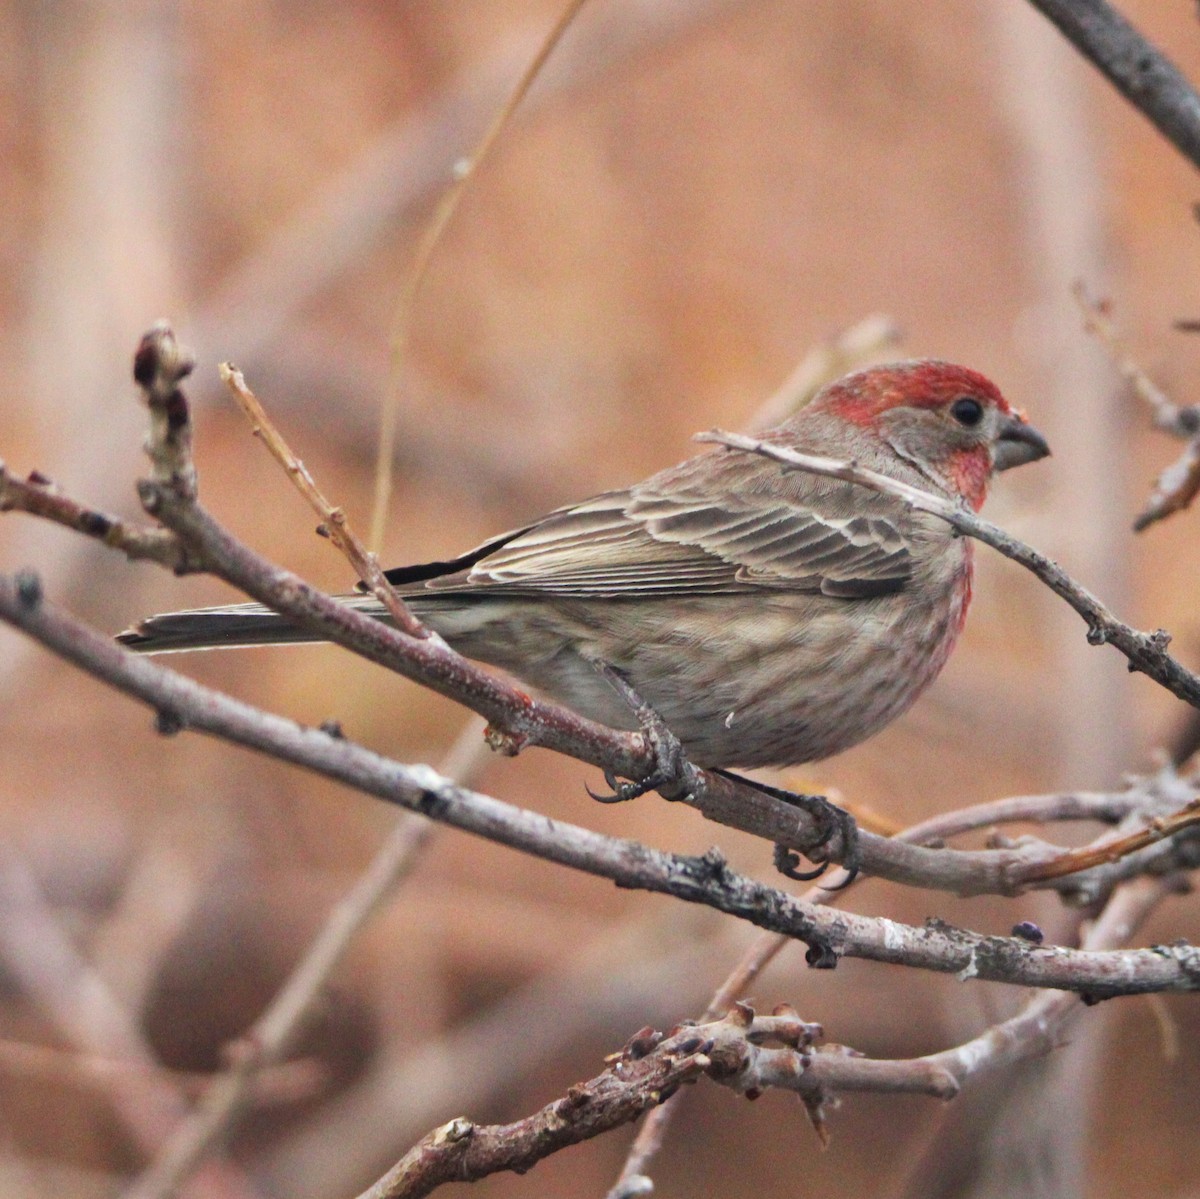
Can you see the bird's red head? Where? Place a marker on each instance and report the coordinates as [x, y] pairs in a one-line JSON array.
[[948, 421]]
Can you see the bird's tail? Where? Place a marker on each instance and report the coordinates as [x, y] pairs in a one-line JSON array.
[[226, 627]]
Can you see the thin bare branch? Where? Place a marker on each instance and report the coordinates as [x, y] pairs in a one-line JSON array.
[[333, 519], [1178, 485], [632, 1180], [464, 172], [651, 1067], [1175, 489], [1147, 652], [1113, 851], [766, 946], [40, 496], [1168, 416]]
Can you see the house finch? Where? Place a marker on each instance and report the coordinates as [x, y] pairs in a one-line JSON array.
[[769, 617]]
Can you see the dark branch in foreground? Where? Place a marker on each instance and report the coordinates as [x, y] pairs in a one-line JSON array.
[[1146, 652], [183, 703], [647, 1071], [1135, 67]]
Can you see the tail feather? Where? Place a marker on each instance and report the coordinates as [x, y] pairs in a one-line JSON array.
[[218, 628]]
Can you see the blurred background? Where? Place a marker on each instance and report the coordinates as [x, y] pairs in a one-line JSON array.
[[696, 193]]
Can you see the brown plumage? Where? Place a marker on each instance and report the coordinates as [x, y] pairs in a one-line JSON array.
[[769, 617]]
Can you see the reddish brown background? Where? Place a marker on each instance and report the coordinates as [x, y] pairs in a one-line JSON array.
[[695, 194]]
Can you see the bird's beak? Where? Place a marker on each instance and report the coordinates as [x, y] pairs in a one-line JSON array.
[[1018, 442]]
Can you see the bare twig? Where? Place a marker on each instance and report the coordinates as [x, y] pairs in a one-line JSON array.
[[333, 519], [1168, 416], [823, 363], [1135, 67], [593, 983], [763, 950], [1146, 652], [1039, 1026], [464, 172], [1089, 856], [1178, 485], [765, 947], [648, 1070], [632, 1180], [1175, 489], [39, 496]]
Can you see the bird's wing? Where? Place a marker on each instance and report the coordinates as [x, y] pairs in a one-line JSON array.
[[650, 542]]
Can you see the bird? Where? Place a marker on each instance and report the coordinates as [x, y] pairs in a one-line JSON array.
[[768, 617]]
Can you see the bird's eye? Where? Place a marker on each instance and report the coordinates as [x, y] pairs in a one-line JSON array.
[[967, 411]]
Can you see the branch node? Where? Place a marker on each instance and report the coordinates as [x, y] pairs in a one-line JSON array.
[[29, 589], [503, 742], [160, 364], [1028, 931], [168, 723], [821, 955]]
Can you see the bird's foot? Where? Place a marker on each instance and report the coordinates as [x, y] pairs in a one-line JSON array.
[[832, 823], [672, 772]]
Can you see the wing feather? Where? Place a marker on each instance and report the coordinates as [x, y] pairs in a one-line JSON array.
[[644, 542]]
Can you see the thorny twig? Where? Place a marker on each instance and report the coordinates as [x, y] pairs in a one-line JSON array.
[[1178, 485], [1147, 652]]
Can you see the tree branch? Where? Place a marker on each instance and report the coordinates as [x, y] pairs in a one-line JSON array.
[[1147, 652], [1134, 66], [183, 703]]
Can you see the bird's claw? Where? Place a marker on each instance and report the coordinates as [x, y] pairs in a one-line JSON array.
[[787, 860], [832, 822], [623, 791], [671, 766]]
